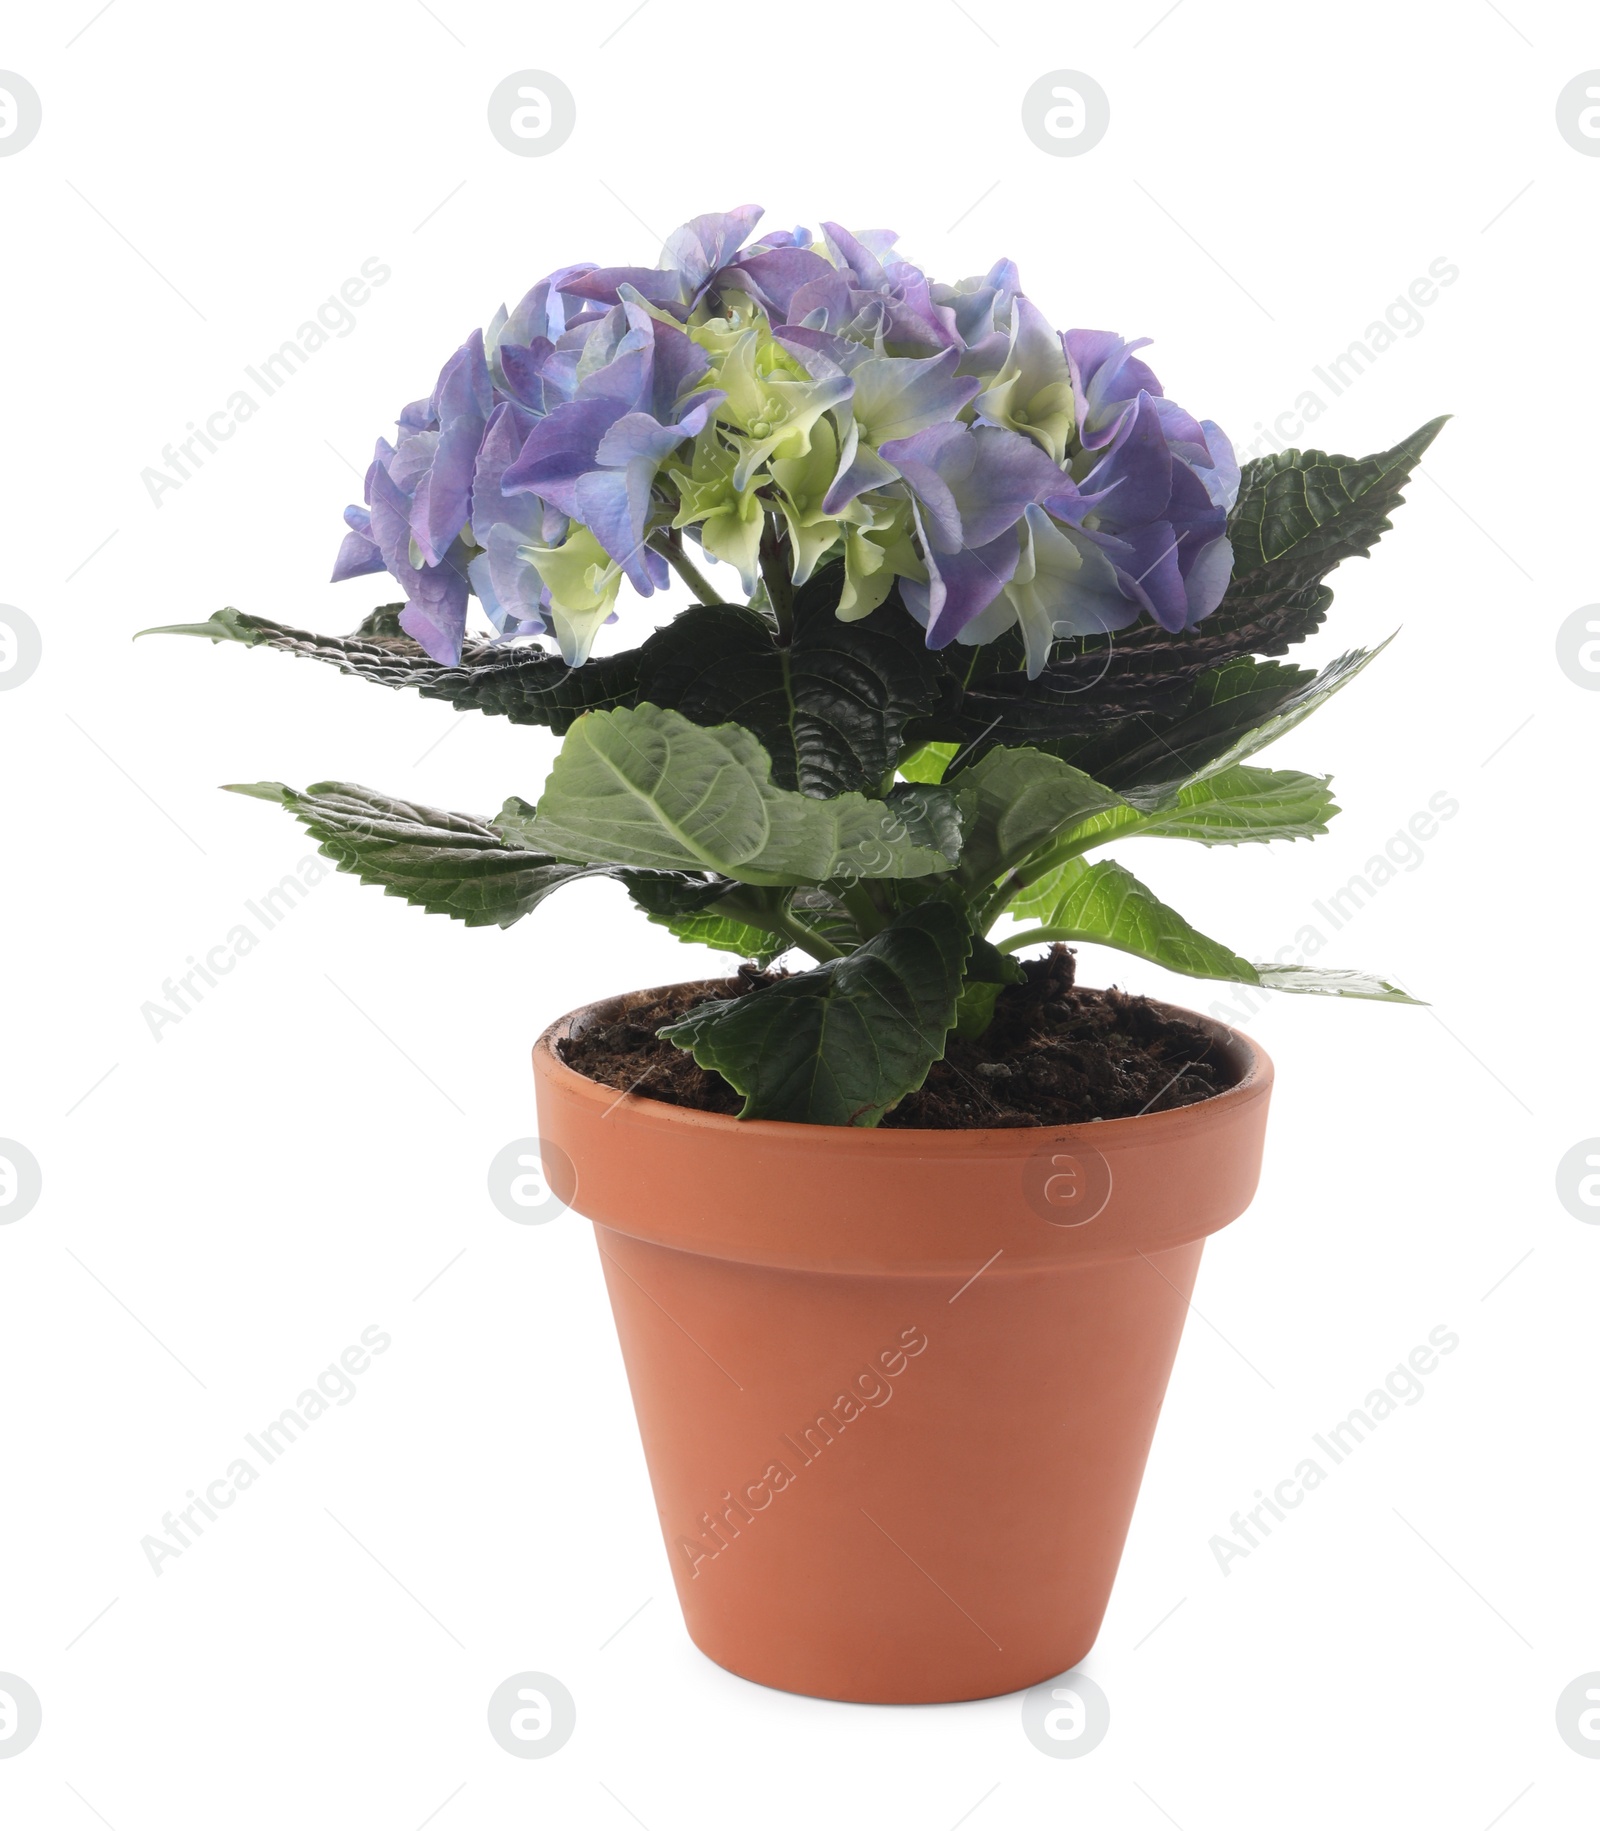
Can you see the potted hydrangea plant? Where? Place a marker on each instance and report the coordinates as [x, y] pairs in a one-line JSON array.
[[899, 1240]]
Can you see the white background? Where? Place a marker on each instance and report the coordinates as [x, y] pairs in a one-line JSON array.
[[302, 1155]]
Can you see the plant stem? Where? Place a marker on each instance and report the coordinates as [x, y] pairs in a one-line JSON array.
[[775, 575], [806, 939], [869, 917], [1042, 863], [989, 909], [669, 544], [1028, 937], [771, 912]]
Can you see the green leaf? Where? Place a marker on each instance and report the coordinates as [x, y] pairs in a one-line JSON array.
[[646, 787], [830, 708], [988, 973], [477, 871], [1334, 981], [687, 906], [975, 1008], [515, 820], [226, 625], [1022, 800], [525, 685], [839, 1045], [1106, 904], [929, 763], [727, 936], [1240, 804], [1103, 902]]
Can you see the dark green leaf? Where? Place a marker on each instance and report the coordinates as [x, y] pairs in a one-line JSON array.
[[1300, 513], [524, 685], [931, 815], [1233, 712], [383, 622], [830, 709], [821, 913], [477, 871], [986, 965], [839, 1045], [986, 698], [1297, 516], [675, 893], [687, 905]]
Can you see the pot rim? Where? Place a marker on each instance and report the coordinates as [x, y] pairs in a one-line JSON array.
[[1252, 1062], [908, 1201]]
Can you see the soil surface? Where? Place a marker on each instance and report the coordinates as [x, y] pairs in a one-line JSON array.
[[1056, 1054]]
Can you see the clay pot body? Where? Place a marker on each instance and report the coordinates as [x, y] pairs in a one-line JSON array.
[[897, 1388]]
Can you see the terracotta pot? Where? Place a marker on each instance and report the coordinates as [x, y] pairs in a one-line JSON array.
[[897, 1388]]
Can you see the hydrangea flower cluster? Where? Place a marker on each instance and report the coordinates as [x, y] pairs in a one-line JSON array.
[[783, 402]]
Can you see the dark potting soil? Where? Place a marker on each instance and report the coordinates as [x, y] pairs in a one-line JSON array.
[[1056, 1053]]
